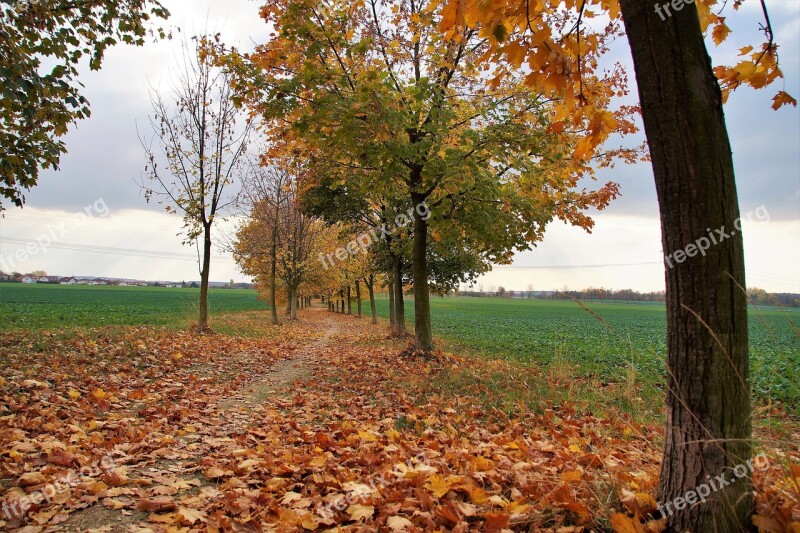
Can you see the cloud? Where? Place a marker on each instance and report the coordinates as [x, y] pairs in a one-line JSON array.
[[105, 160]]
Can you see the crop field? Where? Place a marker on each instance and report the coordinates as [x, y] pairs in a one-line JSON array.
[[47, 307], [551, 334], [562, 334]]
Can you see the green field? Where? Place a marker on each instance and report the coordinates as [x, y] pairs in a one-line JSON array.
[[562, 333], [551, 334], [47, 307]]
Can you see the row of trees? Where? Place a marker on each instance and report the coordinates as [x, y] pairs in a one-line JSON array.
[[490, 114]]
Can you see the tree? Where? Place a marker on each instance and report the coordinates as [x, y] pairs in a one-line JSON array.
[[266, 190], [198, 132], [280, 241], [375, 89], [41, 46], [708, 404]]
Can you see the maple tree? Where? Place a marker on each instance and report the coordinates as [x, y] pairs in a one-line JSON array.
[[374, 89], [42, 44], [708, 417], [202, 139]]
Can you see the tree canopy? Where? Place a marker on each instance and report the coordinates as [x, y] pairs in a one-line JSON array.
[[42, 45]]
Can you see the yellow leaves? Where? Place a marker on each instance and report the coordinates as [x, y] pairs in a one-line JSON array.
[[399, 523], [624, 524], [452, 17], [72, 393], [720, 32], [100, 394], [441, 485], [516, 53], [358, 512]]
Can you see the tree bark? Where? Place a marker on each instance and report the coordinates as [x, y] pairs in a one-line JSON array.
[[349, 301], [293, 303], [708, 427], [358, 298], [399, 302], [422, 306], [372, 307], [204, 276], [273, 274], [392, 310], [288, 301]]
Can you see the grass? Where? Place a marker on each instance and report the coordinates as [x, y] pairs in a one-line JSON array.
[[61, 307], [626, 354]]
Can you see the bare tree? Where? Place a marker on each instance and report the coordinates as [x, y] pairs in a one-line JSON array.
[[201, 137]]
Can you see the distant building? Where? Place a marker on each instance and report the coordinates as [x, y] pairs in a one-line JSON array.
[[28, 280], [43, 280], [69, 281]]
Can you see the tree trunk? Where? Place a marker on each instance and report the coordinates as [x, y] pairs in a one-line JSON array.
[[293, 301], [349, 301], [392, 310], [204, 276], [372, 307], [422, 306], [288, 301], [273, 271], [358, 298], [399, 303], [708, 428]]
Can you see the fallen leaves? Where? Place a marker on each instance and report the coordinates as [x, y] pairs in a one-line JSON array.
[[361, 442]]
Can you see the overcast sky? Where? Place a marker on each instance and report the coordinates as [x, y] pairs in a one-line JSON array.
[[105, 161]]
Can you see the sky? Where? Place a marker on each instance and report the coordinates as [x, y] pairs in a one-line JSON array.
[[91, 217]]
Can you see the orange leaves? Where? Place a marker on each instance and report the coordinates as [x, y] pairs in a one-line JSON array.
[[623, 524], [781, 99], [156, 505], [720, 32]]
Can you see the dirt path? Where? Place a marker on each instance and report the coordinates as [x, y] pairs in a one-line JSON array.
[[180, 470], [278, 379]]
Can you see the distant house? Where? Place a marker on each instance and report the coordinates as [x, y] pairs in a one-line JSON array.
[[28, 280], [43, 280], [122, 284]]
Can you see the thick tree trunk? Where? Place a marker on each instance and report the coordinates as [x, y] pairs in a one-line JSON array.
[[358, 298], [372, 307], [422, 306], [392, 310], [204, 276], [399, 302], [288, 301], [349, 301], [708, 428]]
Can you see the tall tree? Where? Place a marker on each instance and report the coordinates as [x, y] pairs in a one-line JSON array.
[[375, 88], [708, 400], [265, 189], [42, 45], [202, 137]]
